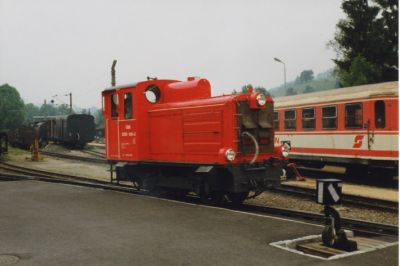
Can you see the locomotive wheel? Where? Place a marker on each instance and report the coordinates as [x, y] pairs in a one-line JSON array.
[[216, 197], [238, 198], [208, 196]]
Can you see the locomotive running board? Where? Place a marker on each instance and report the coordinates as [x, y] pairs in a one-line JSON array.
[[204, 169]]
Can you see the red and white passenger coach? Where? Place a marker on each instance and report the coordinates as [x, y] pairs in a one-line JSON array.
[[355, 127], [168, 133]]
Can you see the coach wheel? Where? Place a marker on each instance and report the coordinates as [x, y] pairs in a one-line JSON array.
[[355, 171], [238, 198]]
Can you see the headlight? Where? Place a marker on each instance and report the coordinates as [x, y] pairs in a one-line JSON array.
[[261, 99], [285, 154], [230, 155]]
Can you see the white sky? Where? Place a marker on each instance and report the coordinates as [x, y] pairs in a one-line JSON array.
[[50, 47]]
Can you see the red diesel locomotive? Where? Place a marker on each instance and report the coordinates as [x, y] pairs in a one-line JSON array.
[[173, 134], [355, 127]]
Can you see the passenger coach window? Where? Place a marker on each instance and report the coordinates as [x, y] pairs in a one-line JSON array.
[[128, 105], [353, 115], [380, 114], [114, 104], [308, 118], [290, 119], [329, 117], [276, 120]]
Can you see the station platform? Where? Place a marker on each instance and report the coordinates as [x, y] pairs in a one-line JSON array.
[[55, 224]]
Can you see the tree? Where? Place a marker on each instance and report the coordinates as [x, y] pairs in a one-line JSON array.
[[48, 110], [308, 89], [98, 117], [31, 110], [245, 88], [290, 91], [262, 90], [306, 76], [12, 108], [361, 72], [369, 35]]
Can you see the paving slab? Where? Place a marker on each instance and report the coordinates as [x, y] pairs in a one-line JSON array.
[[55, 224]]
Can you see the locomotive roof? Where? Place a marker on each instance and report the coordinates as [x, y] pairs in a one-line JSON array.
[[349, 93], [130, 85]]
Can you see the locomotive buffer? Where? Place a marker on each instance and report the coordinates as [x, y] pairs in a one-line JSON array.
[[329, 192]]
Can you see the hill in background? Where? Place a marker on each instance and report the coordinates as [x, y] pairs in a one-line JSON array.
[[306, 82]]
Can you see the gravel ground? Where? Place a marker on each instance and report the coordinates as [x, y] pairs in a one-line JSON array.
[[279, 200]]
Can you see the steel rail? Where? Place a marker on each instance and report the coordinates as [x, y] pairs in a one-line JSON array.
[[380, 204], [74, 157], [95, 153], [354, 224], [384, 182], [358, 225]]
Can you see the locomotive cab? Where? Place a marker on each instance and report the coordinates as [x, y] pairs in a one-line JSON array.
[[167, 133]]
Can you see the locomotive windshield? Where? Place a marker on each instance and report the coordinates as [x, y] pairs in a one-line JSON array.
[[128, 105], [114, 103]]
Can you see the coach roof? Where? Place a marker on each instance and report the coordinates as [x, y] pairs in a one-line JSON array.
[[342, 94]]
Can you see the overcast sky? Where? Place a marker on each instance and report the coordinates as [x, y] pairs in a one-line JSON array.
[[50, 47]]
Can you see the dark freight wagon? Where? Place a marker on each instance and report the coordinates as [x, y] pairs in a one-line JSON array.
[[75, 129]]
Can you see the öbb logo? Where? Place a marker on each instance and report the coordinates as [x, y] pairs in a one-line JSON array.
[[358, 140]]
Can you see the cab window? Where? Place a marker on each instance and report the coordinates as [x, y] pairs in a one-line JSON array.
[[128, 113], [380, 114], [353, 115], [114, 104]]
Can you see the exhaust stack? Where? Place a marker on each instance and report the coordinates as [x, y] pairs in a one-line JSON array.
[[113, 73]]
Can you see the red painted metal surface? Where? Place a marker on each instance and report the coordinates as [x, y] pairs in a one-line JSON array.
[[185, 125]]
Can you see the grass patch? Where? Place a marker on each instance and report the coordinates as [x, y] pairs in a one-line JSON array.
[[17, 151]]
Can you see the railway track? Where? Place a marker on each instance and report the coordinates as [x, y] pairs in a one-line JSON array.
[[39, 175], [94, 153], [384, 181], [383, 205], [74, 157], [378, 204]]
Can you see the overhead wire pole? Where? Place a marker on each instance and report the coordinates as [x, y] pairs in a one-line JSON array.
[[284, 70], [70, 102]]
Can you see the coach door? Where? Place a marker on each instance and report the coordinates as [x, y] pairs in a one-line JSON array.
[[111, 125]]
